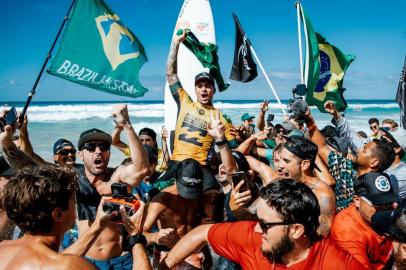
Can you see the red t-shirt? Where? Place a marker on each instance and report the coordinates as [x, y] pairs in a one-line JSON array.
[[351, 232], [238, 242]]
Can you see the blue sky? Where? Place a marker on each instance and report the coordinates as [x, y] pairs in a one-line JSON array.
[[373, 31]]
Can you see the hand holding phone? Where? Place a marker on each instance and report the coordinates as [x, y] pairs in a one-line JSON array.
[[240, 194], [237, 177], [9, 118]]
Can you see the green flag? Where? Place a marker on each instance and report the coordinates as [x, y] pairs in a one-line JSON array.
[[98, 51], [324, 70], [207, 56]]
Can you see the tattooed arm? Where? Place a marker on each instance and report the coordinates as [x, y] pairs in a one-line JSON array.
[[171, 65], [327, 211], [16, 158]]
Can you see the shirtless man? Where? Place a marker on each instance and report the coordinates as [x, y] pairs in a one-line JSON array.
[[6, 225], [95, 179], [44, 224], [297, 160], [177, 207]]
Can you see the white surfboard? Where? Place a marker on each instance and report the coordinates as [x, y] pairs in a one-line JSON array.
[[197, 16]]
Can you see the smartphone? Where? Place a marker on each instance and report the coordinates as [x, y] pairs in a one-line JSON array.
[[237, 177], [269, 119], [9, 118]]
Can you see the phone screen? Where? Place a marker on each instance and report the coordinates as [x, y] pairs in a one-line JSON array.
[[237, 177], [11, 116]]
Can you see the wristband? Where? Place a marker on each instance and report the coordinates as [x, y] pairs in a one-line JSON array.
[[133, 240], [222, 142]]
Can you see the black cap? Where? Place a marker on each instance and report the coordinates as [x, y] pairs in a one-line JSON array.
[[5, 169], [189, 179], [302, 148], [91, 135], [392, 222], [152, 153], [60, 144], [149, 132], [204, 76], [376, 187], [241, 161]]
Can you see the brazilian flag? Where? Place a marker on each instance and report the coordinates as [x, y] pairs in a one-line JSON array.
[[324, 69], [97, 50]]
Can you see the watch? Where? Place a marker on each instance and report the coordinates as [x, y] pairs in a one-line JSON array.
[[222, 142], [133, 240]]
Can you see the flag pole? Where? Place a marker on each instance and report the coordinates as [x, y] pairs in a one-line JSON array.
[[299, 33], [306, 72], [268, 80], [48, 56]]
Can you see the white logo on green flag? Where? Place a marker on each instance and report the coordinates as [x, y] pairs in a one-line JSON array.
[[115, 37], [98, 51]]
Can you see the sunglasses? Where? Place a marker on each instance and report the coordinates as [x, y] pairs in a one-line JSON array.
[[383, 206], [266, 226], [66, 152], [373, 127], [91, 147]]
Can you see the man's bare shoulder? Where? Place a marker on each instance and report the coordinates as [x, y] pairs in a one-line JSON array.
[[19, 254]]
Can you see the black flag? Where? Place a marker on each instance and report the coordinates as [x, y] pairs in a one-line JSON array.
[[244, 68], [401, 96]]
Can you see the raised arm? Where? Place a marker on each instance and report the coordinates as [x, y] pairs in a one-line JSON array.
[[190, 243], [261, 115], [116, 141], [265, 172], [216, 129], [348, 136], [139, 168], [324, 174], [171, 65], [16, 158], [165, 152], [317, 137]]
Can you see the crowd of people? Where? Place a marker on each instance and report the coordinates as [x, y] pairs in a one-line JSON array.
[[230, 196]]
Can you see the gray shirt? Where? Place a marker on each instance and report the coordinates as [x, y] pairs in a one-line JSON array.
[[399, 171]]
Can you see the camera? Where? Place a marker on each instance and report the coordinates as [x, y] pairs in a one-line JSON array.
[[298, 106], [9, 118], [120, 196], [299, 91]]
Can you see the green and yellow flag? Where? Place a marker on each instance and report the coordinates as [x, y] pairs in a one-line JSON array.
[[324, 69], [98, 51], [207, 56]]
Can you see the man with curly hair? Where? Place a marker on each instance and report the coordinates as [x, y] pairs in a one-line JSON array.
[[40, 200]]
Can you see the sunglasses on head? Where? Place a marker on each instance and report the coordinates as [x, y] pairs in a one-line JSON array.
[[91, 146], [265, 226], [66, 152]]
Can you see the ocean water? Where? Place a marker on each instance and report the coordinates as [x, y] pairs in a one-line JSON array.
[[49, 121]]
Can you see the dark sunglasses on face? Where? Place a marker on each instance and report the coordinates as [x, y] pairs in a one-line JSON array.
[[91, 147], [373, 127], [66, 152], [266, 226]]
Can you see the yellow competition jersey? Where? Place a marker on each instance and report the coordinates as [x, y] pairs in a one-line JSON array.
[[191, 137]]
